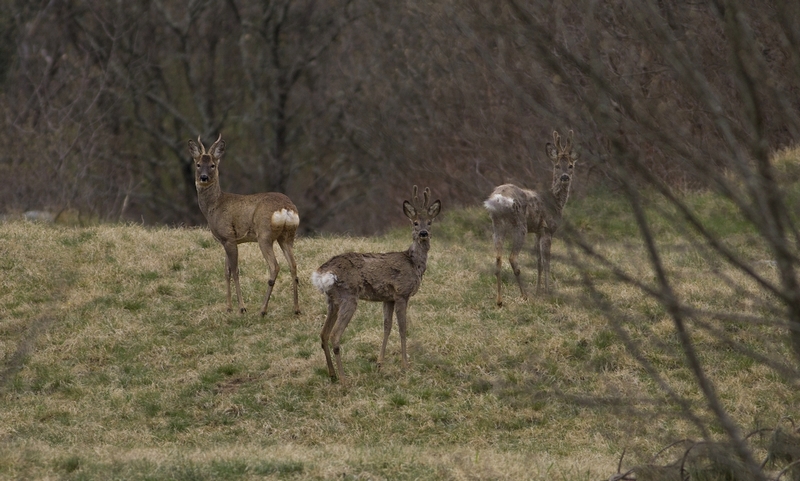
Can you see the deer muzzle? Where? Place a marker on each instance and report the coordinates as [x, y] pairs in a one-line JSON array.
[[203, 177], [564, 177], [423, 234]]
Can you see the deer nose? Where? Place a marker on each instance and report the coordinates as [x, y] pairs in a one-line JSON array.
[[203, 178], [564, 177], [423, 234]]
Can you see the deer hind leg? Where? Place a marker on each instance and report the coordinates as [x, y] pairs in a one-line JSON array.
[[265, 244], [388, 312], [347, 307], [288, 252], [400, 308], [232, 270], [518, 241], [499, 239], [330, 320]]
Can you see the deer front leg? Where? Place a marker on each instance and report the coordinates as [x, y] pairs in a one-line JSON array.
[[544, 262], [272, 265], [537, 250], [330, 320], [347, 307], [232, 270], [388, 311], [400, 308]]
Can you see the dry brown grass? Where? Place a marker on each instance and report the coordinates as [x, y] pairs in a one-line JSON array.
[[119, 361]]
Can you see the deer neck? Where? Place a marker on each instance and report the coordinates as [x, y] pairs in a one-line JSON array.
[[208, 196], [560, 193], [418, 253]]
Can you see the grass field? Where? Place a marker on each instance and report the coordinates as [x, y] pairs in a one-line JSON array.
[[119, 360]]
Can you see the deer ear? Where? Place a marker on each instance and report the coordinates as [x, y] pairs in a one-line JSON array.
[[409, 210], [194, 150], [551, 151], [218, 148], [573, 156], [434, 209]]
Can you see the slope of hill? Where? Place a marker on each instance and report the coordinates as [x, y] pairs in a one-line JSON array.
[[119, 361]]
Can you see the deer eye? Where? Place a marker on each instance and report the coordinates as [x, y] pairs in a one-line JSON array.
[[198, 165], [416, 223], [213, 166]]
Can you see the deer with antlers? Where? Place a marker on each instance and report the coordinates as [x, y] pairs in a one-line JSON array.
[[391, 278], [265, 218], [517, 211]]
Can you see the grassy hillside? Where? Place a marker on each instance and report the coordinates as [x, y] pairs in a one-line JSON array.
[[119, 360]]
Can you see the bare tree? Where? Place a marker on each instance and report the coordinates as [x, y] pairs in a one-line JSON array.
[[166, 70], [670, 110]]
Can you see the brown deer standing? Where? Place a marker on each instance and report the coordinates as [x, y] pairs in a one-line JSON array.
[[265, 218], [391, 278], [517, 211]]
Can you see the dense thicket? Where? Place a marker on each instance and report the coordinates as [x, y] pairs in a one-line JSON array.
[[344, 104]]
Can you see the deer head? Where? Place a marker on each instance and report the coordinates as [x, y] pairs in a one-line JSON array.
[[421, 214], [206, 163], [563, 158]]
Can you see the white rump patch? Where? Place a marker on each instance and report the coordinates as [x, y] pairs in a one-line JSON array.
[[498, 202], [323, 280], [285, 217]]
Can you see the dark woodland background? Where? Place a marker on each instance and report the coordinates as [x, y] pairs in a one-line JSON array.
[[343, 105]]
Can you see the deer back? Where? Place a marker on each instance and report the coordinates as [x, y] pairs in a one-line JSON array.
[[516, 206], [374, 276], [233, 216], [383, 276]]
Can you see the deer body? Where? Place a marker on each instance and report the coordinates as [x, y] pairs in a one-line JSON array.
[[391, 278], [516, 212], [264, 218]]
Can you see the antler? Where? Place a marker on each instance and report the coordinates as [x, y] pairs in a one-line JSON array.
[[426, 197], [211, 149], [561, 146], [203, 147]]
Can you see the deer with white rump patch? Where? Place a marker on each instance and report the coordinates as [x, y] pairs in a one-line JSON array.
[[265, 218], [391, 278], [518, 211]]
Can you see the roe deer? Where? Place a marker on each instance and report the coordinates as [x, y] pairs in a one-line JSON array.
[[391, 278], [265, 218], [518, 211]]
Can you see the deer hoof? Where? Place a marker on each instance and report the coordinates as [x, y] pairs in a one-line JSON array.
[[297, 311], [242, 310], [263, 313]]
